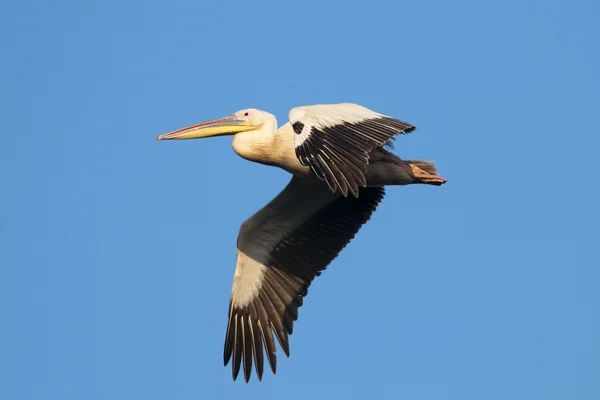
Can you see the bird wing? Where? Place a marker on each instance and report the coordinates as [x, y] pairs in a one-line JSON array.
[[335, 140], [281, 249]]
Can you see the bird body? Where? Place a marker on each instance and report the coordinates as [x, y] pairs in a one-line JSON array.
[[339, 165], [275, 147]]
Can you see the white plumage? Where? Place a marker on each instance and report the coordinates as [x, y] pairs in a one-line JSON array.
[[327, 115]]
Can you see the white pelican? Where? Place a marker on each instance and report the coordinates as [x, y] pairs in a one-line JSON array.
[[339, 168]]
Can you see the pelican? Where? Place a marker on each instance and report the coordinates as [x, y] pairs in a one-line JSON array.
[[340, 164]]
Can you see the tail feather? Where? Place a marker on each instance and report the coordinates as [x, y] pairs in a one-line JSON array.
[[427, 166]]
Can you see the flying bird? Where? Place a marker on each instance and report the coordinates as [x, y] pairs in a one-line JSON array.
[[340, 161]]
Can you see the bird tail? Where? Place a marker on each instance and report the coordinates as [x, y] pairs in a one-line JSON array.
[[425, 172]]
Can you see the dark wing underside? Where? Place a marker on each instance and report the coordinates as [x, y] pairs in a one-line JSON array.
[[291, 265], [339, 154]]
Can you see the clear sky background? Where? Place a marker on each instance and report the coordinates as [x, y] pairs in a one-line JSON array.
[[117, 251]]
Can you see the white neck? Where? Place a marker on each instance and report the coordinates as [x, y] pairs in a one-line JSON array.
[[257, 145]]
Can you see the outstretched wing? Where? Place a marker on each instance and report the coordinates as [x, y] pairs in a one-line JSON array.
[[281, 249], [335, 140]]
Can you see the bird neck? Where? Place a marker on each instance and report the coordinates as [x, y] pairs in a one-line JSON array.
[[257, 145]]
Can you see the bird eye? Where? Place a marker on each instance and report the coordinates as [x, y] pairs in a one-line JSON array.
[[245, 114]]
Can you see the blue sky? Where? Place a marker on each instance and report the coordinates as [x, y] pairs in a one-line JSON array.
[[117, 251]]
